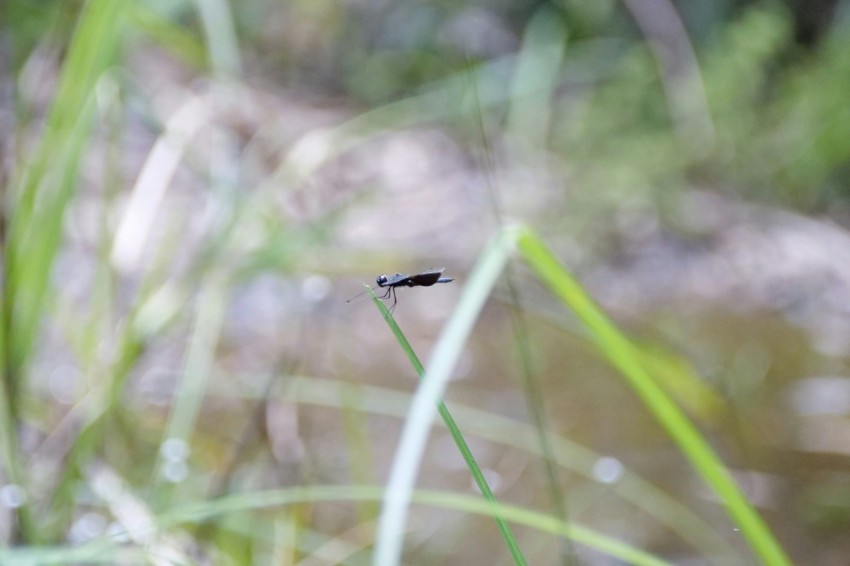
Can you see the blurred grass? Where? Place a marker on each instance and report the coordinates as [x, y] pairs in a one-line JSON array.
[[579, 92], [520, 435], [42, 191], [624, 356], [105, 550]]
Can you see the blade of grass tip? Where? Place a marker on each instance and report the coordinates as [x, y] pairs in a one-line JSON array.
[[425, 404], [624, 357], [454, 430]]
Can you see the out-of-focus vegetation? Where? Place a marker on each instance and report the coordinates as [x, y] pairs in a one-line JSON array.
[[191, 191]]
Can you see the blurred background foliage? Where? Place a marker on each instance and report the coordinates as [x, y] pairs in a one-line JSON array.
[[191, 190]]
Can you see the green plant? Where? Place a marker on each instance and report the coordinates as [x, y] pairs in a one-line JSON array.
[[618, 350]]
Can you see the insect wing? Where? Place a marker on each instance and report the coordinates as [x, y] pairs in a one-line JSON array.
[[426, 278]]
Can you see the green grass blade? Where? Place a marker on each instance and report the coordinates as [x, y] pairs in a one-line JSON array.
[[106, 549], [624, 356], [198, 365], [427, 402], [39, 197], [220, 35], [47, 184]]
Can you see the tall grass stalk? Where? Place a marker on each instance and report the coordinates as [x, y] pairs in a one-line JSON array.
[[624, 356], [427, 402], [41, 192], [530, 110]]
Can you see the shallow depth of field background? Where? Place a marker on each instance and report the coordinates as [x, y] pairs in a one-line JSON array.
[[188, 211]]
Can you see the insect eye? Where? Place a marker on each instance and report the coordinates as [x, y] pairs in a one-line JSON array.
[[381, 279]]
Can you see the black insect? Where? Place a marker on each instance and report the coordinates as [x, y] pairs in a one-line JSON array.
[[424, 279]]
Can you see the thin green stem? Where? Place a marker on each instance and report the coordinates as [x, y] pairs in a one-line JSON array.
[[463, 447], [622, 354]]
